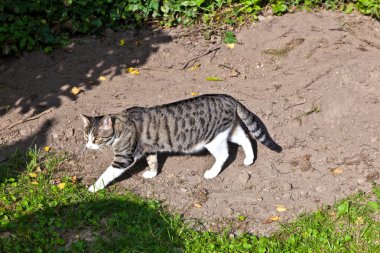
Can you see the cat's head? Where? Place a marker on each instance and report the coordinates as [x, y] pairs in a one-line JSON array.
[[98, 131]]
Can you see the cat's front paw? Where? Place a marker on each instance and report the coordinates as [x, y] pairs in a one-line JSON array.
[[209, 174], [93, 188], [149, 174]]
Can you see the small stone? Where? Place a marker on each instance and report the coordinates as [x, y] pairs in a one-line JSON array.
[[109, 32], [183, 190], [287, 187], [55, 135], [5, 235], [360, 180], [69, 132], [261, 18], [373, 139], [320, 188], [243, 178], [228, 211], [25, 131]]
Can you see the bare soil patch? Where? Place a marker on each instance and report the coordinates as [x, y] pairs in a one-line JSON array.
[[313, 78]]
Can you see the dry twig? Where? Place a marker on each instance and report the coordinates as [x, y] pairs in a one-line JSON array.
[[27, 119], [209, 51]]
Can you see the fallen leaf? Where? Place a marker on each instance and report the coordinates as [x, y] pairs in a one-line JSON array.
[[337, 171], [195, 67], [75, 90], [213, 78], [274, 218], [34, 182], [121, 42], [197, 205], [194, 93], [74, 179], [281, 208], [133, 71], [38, 169], [271, 219], [32, 175], [47, 148], [230, 45], [138, 43], [101, 78], [242, 217], [234, 73], [61, 185]]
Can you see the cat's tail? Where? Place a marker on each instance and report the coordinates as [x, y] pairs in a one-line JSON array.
[[257, 128]]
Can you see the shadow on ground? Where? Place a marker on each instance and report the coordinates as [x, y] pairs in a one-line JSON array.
[[112, 225], [36, 83]]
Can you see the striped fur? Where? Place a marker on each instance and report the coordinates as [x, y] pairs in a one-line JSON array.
[[186, 126]]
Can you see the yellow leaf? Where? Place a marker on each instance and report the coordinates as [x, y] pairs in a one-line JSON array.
[[101, 78], [195, 67], [231, 45], [121, 42], [61, 185], [32, 175], [275, 218], [194, 93], [75, 90], [213, 78], [337, 171], [46, 148], [281, 208], [133, 71], [34, 182], [271, 219], [197, 205]]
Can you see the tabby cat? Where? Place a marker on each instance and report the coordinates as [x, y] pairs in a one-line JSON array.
[[186, 126]]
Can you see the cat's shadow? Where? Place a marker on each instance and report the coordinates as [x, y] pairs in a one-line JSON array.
[[142, 164]]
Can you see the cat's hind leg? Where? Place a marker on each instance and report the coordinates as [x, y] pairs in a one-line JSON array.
[[239, 137], [218, 147], [153, 166]]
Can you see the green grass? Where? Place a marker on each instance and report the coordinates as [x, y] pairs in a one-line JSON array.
[[49, 24], [44, 210]]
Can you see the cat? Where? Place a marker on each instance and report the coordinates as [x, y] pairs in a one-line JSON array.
[[187, 126]]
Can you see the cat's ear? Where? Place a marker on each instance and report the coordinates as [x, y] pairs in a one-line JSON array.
[[106, 123], [86, 120]]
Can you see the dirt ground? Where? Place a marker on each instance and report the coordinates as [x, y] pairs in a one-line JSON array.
[[313, 78]]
